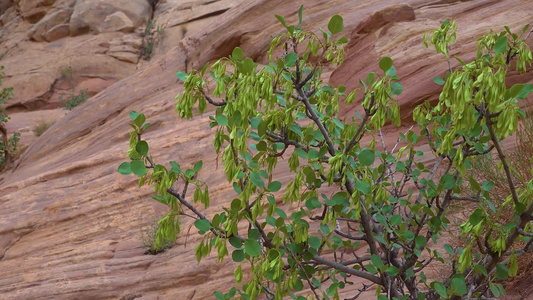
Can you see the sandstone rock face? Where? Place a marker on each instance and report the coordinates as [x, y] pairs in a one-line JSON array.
[[50, 26], [117, 21], [88, 15], [70, 224]]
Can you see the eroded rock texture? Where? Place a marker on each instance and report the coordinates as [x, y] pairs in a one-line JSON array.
[[70, 225]]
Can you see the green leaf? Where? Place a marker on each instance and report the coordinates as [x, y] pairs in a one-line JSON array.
[[300, 11], [363, 187], [458, 284], [385, 63], [133, 115], [449, 249], [366, 157], [420, 241], [256, 179], [438, 80], [448, 181], [501, 45], [439, 288], [202, 225], [487, 186], [139, 120], [314, 242], [235, 242], [392, 271], [198, 166], [237, 54], [528, 88], [182, 76], [261, 128], [219, 295], [290, 59], [396, 88], [142, 147], [376, 261], [502, 272], [335, 24], [281, 19], [222, 120], [395, 220], [474, 184], [370, 78], [312, 203], [494, 289], [247, 66], [274, 186], [138, 168], [252, 247], [175, 167], [124, 168], [237, 255]]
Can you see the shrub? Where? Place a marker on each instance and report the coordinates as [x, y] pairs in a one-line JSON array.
[[75, 100], [386, 200], [42, 126], [152, 35], [8, 146], [149, 236]]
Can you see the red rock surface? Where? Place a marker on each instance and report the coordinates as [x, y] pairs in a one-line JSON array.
[[70, 225]]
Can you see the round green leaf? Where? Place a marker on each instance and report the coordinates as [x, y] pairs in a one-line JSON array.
[[335, 24], [133, 115], [396, 88], [237, 255], [385, 63], [138, 168], [222, 120], [202, 225], [124, 168], [252, 247], [420, 241], [376, 261], [314, 242], [366, 157], [142, 147], [439, 288], [274, 186], [237, 53]]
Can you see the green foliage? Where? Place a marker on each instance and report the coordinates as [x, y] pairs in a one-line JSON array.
[[75, 100], [8, 145], [386, 200], [149, 239]]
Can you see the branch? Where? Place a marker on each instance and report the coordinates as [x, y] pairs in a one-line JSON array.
[[348, 270], [496, 144]]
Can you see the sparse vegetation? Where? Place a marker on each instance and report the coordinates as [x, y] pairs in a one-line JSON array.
[[42, 126], [73, 99], [152, 35], [149, 238], [8, 145]]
